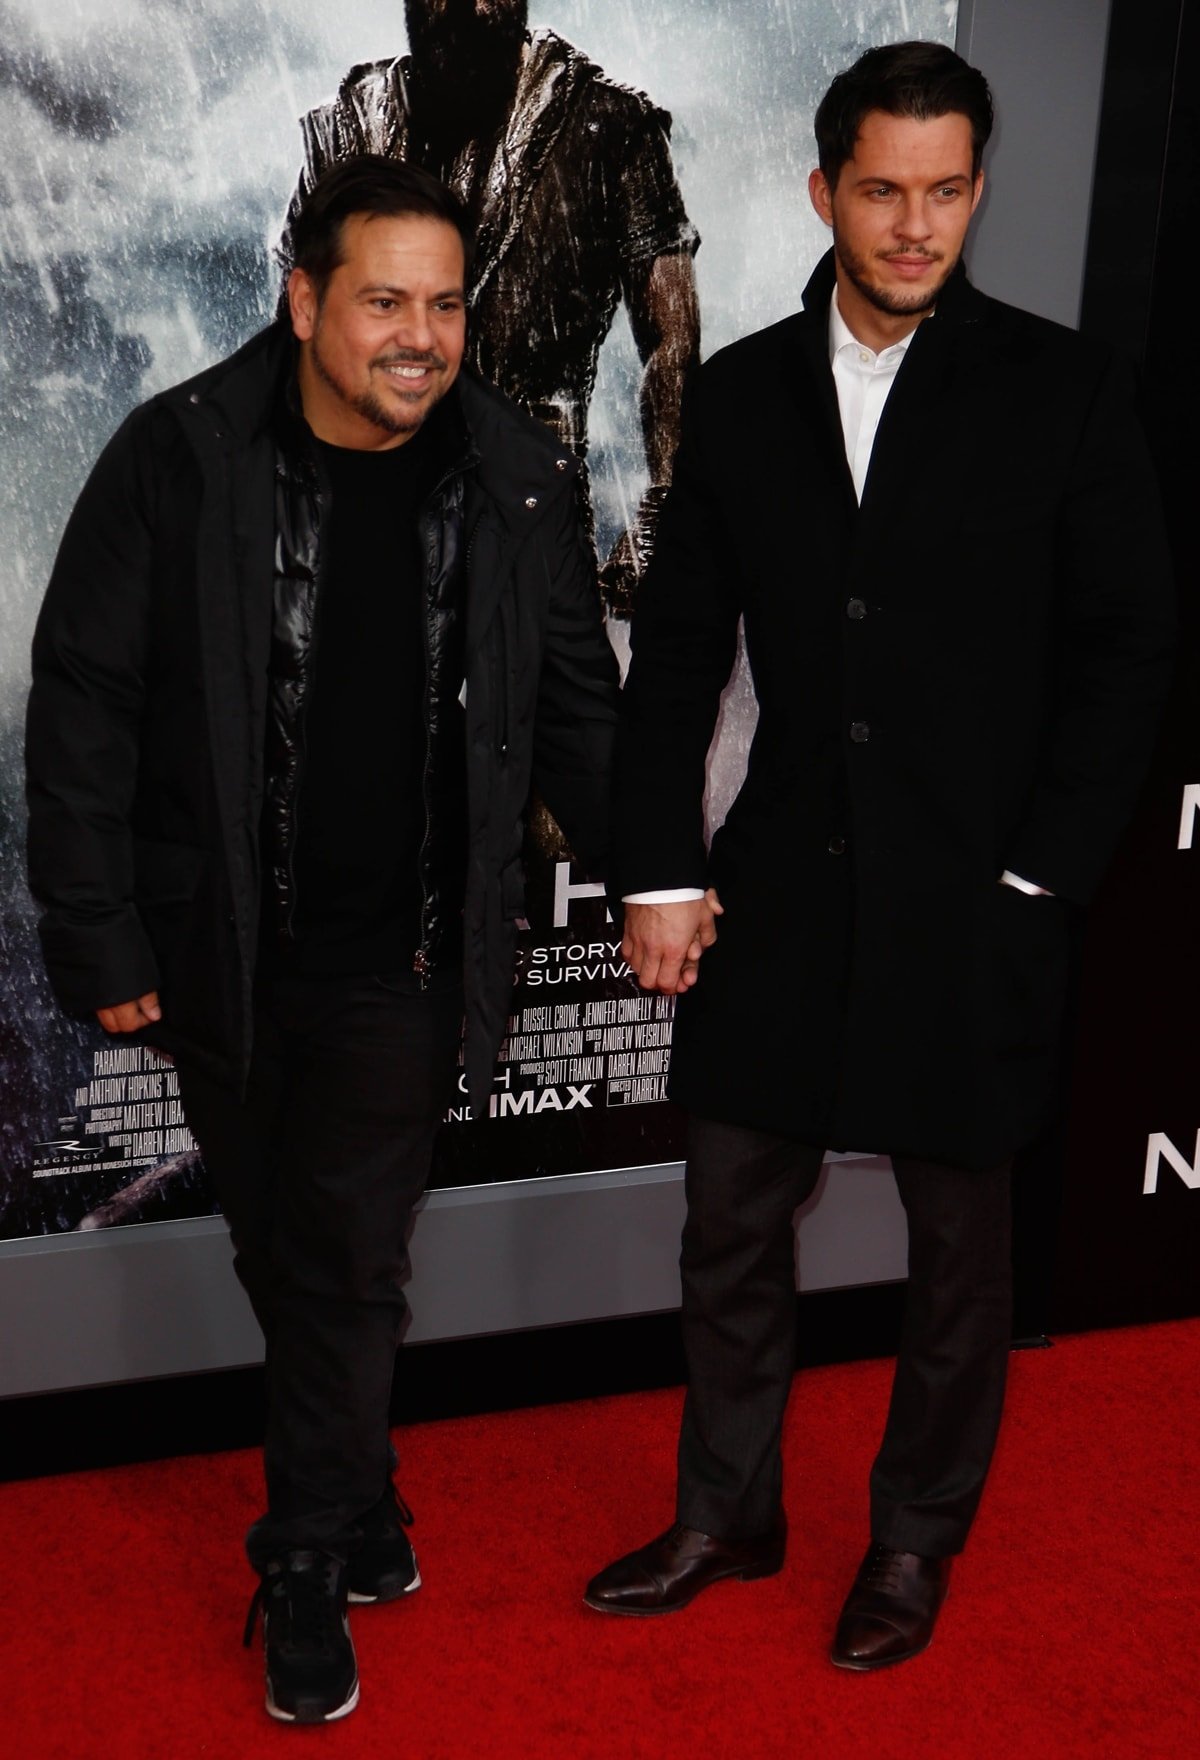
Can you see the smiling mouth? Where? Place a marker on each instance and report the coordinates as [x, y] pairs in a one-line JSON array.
[[406, 371]]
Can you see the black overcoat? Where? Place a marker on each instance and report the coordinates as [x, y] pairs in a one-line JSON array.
[[146, 719], [960, 677]]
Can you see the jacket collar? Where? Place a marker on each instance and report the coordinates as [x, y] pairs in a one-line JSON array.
[[819, 289], [811, 335], [237, 399]]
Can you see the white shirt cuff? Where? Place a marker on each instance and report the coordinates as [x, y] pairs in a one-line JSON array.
[[675, 895], [1008, 878]]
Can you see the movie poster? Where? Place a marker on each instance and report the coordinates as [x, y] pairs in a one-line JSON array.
[[636, 170]]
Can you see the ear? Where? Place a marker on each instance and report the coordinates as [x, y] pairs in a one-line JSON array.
[[821, 196], [977, 191], [303, 304]]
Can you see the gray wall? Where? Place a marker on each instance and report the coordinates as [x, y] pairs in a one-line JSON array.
[[130, 1303], [158, 1299], [1044, 60]]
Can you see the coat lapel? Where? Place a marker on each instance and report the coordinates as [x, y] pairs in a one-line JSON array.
[[816, 390], [920, 431], [812, 380], [912, 418]]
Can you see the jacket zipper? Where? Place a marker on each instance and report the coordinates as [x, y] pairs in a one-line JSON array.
[[320, 503], [422, 962], [319, 491], [422, 958]]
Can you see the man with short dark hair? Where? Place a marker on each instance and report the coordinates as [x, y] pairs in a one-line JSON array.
[[319, 618], [937, 517]]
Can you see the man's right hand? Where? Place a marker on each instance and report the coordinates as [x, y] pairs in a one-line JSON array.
[[127, 1017], [663, 942]]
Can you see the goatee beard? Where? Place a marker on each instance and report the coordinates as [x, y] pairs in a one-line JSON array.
[[464, 76], [370, 407], [895, 302]]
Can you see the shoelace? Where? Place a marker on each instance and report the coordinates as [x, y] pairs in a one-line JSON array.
[[302, 1596], [882, 1569]]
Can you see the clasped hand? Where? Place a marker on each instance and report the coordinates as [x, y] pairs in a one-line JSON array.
[[663, 942]]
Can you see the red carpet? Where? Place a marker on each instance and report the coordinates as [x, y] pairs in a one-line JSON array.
[[1071, 1627]]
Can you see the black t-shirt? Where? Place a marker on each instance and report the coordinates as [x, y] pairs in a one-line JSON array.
[[360, 810]]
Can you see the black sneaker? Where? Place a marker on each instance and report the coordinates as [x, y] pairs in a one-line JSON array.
[[311, 1673], [385, 1566]]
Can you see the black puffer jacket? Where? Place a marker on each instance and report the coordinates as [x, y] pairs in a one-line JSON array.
[[149, 709]]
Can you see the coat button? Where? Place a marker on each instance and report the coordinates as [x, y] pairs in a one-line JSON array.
[[837, 846], [194, 397], [531, 502], [857, 610], [560, 464], [860, 732]]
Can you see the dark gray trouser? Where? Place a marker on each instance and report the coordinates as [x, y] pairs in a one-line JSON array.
[[317, 1172], [739, 1325]]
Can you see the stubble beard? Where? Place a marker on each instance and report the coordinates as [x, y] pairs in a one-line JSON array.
[[372, 408], [896, 302]]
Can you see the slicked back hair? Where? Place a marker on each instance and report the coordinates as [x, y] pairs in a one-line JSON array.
[[373, 185], [917, 80]]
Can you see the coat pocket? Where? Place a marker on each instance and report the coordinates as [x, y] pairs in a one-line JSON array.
[[166, 873], [1029, 958]]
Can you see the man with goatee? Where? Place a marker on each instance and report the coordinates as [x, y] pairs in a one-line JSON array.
[[937, 517], [319, 618], [567, 179]]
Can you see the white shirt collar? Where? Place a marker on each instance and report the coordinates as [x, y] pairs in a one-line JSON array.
[[841, 336]]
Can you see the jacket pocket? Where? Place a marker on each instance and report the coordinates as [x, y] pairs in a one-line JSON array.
[[166, 873]]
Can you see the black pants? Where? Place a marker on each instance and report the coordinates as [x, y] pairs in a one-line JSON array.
[[317, 1171], [739, 1323]]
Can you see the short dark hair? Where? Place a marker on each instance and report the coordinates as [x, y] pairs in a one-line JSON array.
[[919, 80], [368, 184]]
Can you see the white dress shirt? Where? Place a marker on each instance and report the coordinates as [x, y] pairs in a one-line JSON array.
[[862, 379]]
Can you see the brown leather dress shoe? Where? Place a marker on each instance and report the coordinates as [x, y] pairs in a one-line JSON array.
[[672, 1570], [891, 1611]]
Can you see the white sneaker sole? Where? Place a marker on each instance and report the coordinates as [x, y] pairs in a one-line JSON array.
[[371, 1600], [282, 1716]]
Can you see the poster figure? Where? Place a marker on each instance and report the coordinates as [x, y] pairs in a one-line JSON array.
[[567, 178]]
